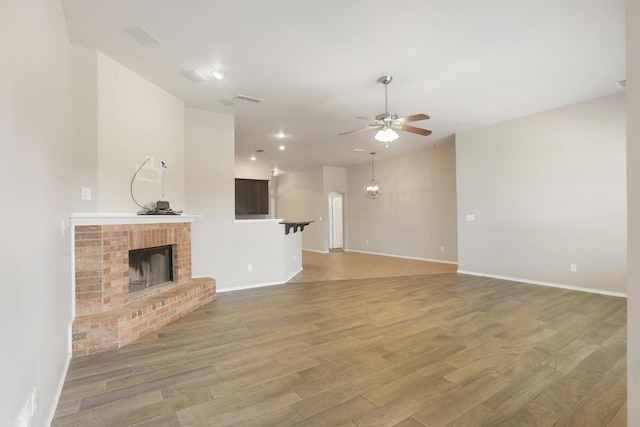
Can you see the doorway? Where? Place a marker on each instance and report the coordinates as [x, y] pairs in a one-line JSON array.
[[336, 227]]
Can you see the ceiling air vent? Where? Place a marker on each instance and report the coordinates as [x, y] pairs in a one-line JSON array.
[[141, 35], [193, 75], [226, 102], [250, 99], [622, 83]]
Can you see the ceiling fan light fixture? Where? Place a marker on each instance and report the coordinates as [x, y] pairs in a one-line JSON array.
[[386, 135]]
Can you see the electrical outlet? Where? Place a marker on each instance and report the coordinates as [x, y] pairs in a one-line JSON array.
[[249, 267], [573, 268], [471, 217], [441, 248], [151, 161]]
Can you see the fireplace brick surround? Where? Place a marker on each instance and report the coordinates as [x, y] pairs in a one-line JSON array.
[[107, 317]]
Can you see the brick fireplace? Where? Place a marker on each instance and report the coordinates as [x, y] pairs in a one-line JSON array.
[[107, 316]]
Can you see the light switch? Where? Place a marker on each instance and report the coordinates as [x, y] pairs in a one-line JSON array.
[[471, 217], [86, 193]]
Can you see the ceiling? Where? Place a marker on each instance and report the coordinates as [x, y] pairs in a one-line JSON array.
[[315, 64]]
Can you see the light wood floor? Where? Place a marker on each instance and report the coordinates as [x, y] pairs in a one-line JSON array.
[[410, 348]]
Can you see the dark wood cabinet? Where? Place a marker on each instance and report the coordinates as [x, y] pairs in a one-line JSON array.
[[252, 197]]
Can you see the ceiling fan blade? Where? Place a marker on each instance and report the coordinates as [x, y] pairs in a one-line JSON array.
[[413, 118], [354, 131], [413, 129]]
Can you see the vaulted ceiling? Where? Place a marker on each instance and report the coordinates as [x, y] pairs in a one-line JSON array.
[[315, 64]]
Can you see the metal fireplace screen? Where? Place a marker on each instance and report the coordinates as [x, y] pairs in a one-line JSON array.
[[150, 267]]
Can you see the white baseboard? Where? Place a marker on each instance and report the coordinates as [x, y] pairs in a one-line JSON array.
[[256, 285], [313, 250], [551, 285], [250, 286], [293, 275], [56, 397], [402, 256]]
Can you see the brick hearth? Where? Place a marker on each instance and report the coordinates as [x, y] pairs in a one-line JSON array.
[[107, 317]]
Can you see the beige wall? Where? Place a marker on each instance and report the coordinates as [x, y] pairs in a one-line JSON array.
[[300, 197], [633, 201], [36, 181], [252, 170], [547, 191], [416, 214]]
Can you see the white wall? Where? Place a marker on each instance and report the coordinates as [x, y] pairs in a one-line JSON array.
[[633, 200], [136, 118], [223, 248], [415, 215], [119, 119], [36, 164], [547, 191], [85, 128]]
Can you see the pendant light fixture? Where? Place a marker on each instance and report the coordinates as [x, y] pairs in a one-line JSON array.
[[373, 189]]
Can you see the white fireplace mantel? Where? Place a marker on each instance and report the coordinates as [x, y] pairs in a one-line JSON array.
[[109, 218]]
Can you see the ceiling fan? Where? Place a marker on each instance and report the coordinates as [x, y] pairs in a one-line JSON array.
[[386, 123]]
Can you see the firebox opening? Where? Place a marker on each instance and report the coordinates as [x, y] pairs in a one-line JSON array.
[[150, 267]]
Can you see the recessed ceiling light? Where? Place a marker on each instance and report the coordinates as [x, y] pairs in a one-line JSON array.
[[280, 134], [282, 147], [253, 158], [358, 150], [218, 74], [275, 172]]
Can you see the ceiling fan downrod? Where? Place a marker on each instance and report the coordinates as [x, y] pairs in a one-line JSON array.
[[385, 80]]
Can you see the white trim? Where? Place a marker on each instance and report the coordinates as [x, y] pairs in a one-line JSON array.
[[257, 285], [551, 285], [102, 218], [313, 250], [401, 256], [294, 274], [58, 393], [252, 286]]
